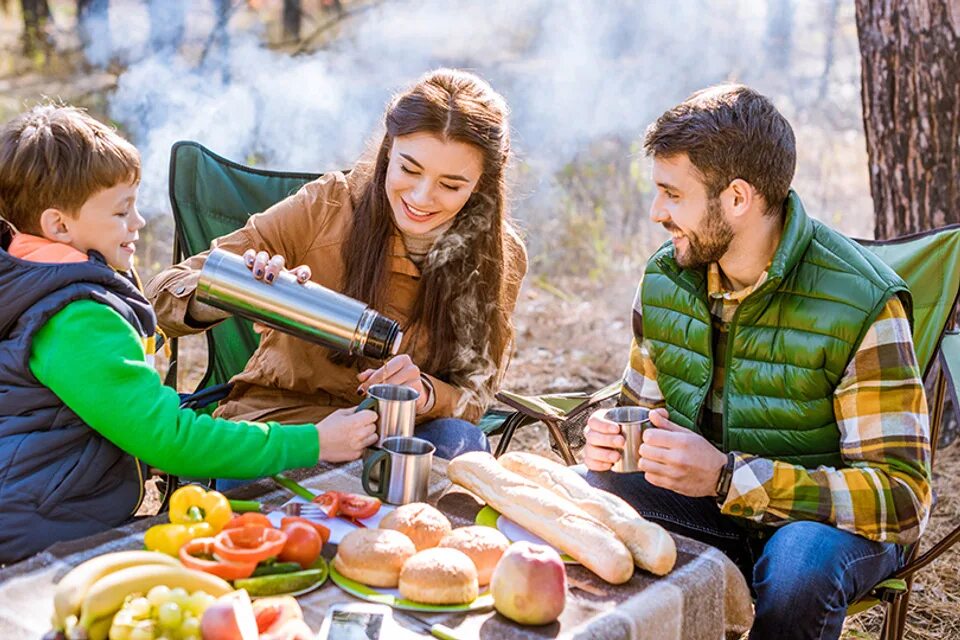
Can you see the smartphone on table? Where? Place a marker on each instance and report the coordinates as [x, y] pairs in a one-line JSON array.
[[358, 621]]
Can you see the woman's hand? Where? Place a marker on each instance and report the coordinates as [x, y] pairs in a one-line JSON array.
[[344, 434], [267, 268], [397, 370]]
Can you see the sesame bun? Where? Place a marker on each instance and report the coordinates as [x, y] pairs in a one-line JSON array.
[[439, 576], [483, 545], [423, 524], [373, 556]]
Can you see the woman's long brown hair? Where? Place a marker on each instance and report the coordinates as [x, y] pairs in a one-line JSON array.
[[460, 304]]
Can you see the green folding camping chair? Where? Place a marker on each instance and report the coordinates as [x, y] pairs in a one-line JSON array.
[[929, 262], [212, 196]]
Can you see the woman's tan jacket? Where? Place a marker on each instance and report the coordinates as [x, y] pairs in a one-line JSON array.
[[288, 379]]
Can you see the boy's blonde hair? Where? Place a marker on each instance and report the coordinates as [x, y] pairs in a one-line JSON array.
[[57, 156]]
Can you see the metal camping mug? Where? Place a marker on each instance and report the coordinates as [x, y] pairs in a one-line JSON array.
[[633, 421], [307, 310], [404, 465], [396, 407]]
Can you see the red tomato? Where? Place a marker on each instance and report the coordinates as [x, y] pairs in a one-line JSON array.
[[251, 519], [329, 502], [303, 544], [322, 530], [356, 506]]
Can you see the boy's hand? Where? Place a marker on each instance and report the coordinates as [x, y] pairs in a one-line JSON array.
[[344, 434], [267, 268]]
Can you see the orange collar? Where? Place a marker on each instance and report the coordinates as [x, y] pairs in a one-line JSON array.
[[38, 249]]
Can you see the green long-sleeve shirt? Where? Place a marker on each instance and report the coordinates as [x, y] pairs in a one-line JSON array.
[[94, 361]]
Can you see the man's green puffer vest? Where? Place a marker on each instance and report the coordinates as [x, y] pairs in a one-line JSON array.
[[787, 347]]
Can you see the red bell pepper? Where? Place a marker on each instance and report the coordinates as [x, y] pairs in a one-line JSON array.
[[249, 544], [226, 569]]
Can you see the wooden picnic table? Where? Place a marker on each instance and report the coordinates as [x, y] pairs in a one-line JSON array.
[[705, 596]]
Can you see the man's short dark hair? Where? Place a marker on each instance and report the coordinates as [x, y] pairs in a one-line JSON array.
[[730, 131]]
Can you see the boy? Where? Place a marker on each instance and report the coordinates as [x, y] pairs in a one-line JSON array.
[[82, 411]]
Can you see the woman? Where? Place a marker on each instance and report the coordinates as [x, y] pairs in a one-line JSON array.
[[422, 235]]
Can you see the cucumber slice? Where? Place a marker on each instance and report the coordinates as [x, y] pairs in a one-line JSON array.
[[276, 568], [282, 583]]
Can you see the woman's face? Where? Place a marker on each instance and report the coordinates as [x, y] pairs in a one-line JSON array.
[[429, 180]]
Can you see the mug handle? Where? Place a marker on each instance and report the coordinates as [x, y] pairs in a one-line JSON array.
[[367, 403], [381, 457]]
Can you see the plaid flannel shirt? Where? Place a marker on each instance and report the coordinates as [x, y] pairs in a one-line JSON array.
[[884, 492]]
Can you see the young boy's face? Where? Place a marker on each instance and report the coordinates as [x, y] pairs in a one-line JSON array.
[[109, 223]]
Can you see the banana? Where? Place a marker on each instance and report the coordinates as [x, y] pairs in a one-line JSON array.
[[100, 630], [106, 596], [73, 587]]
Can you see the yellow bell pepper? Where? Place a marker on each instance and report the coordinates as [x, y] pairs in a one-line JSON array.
[[193, 503], [194, 513], [168, 538]]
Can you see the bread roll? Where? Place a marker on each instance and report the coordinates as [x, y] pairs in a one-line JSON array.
[[373, 557], [439, 576], [651, 546], [560, 522], [423, 524], [483, 545]]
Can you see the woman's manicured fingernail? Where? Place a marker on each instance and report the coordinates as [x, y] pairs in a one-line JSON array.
[[259, 272], [269, 277], [360, 391]]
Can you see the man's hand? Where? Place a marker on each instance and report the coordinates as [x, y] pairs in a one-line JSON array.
[[678, 459], [603, 442]]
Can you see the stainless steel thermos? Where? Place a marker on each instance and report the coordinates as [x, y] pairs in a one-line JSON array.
[[309, 311]]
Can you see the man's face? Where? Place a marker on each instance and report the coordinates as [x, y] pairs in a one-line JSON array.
[[700, 230], [109, 223]]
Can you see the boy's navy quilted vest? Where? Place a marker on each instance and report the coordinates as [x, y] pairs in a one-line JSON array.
[[59, 479]]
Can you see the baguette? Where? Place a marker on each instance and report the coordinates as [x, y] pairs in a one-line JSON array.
[[558, 521], [651, 546]]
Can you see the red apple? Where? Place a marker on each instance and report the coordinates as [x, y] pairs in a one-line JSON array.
[[231, 617], [529, 584]]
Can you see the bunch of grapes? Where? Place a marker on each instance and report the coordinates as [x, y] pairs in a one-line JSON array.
[[164, 614]]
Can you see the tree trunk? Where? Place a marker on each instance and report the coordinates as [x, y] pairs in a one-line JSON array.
[[910, 66], [292, 18]]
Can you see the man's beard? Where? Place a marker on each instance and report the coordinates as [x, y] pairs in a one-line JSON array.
[[709, 242]]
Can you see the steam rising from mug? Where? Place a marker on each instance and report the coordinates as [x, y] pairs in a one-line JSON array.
[[308, 311]]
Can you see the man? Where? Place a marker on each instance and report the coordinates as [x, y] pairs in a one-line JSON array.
[[777, 356]]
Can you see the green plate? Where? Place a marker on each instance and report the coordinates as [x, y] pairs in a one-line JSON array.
[[487, 517], [319, 563], [391, 597]]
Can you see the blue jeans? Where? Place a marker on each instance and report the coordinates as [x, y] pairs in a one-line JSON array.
[[803, 574], [451, 437]]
